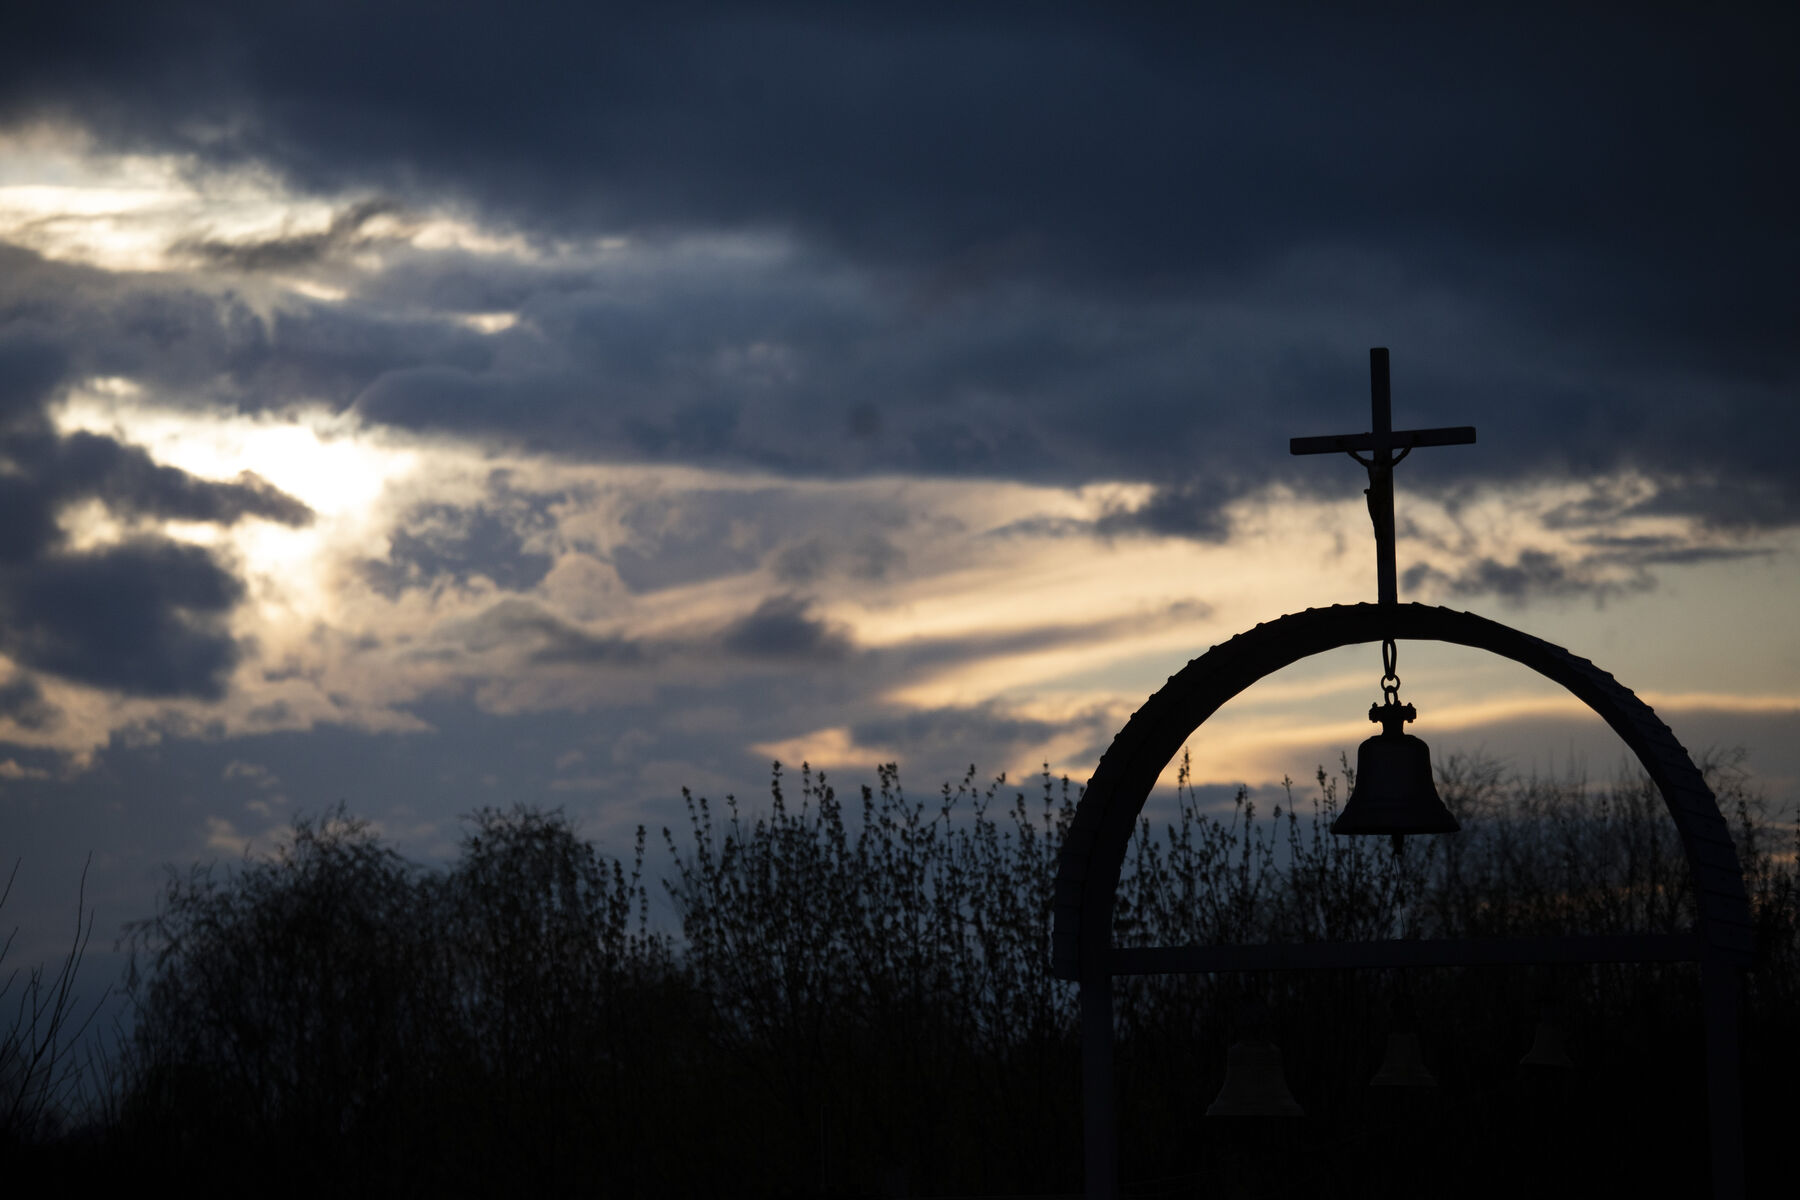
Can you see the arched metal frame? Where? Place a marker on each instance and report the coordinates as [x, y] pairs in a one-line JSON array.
[[1093, 853]]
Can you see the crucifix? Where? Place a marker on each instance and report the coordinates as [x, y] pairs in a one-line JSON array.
[[1393, 792], [1381, 441]]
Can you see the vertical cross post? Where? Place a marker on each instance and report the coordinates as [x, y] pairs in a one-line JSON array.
[[1381, 476], [1381, 441]]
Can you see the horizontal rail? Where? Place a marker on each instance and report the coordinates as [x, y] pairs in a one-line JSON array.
[[1317, 956]]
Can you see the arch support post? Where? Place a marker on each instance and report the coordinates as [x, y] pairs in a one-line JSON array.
[[1722, 991], [1100, 1142]]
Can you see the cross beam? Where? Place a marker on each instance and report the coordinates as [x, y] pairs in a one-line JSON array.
[[1381, 442]]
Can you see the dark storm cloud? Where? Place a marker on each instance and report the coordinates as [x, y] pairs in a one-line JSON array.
[[1192, 510], [129, 483], [1062, 244], [147, 616], [981, 138], [1741, 503], [781, 629]]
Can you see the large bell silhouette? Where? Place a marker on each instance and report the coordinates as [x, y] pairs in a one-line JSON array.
[[1254, 1083], [1394, 793], [1547, 1047], [1404, 1065]]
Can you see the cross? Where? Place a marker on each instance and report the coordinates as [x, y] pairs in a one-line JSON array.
[[1381, 442]]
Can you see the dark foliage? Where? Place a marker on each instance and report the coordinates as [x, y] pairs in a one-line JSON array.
[[858, 1004]]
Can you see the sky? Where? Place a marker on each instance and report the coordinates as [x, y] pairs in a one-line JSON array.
[[433, 406]]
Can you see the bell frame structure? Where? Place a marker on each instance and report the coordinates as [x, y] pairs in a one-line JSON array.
[[1094, 849]]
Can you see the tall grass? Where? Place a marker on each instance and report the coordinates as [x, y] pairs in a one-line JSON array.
[[857, 1000]]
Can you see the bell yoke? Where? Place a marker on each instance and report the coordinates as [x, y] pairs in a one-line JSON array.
[[1393, 792]]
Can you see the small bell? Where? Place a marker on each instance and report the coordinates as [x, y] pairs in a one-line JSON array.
[[1547, 1047], [1394, 792], [1254, 1083], [1404, 1065]]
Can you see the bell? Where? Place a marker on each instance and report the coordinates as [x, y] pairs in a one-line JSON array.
[[1254, 1084], [1547, 1048], [1404, 1065], [1394, 792]]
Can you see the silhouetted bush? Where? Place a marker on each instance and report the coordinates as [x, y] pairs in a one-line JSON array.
[[886, 992], [298, 1001], [858, 1002]]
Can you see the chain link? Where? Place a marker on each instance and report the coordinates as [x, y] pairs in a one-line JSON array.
[[1390, 682]]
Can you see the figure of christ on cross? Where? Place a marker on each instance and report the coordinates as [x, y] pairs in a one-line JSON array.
[[1381, 442]]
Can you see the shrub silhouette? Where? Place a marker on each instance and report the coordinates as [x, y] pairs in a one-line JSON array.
[[885, 994], [295, 1002], [858, 1001]]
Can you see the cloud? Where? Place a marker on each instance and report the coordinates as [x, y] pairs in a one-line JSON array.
[[517, 622], [345, 233], [88, 465], [959, 243], [31, 367], [444, 541], [1012, 131], [49, 473], [22, 702], [145, 618], [781, 629], [12, 770], [801, 562], [1750, 502], [926, 251], [870, 556], [1035, 289], [1665, 549], [1609, 542], [1195, 509], [982, 728], [254, 774], [1533, 573]]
